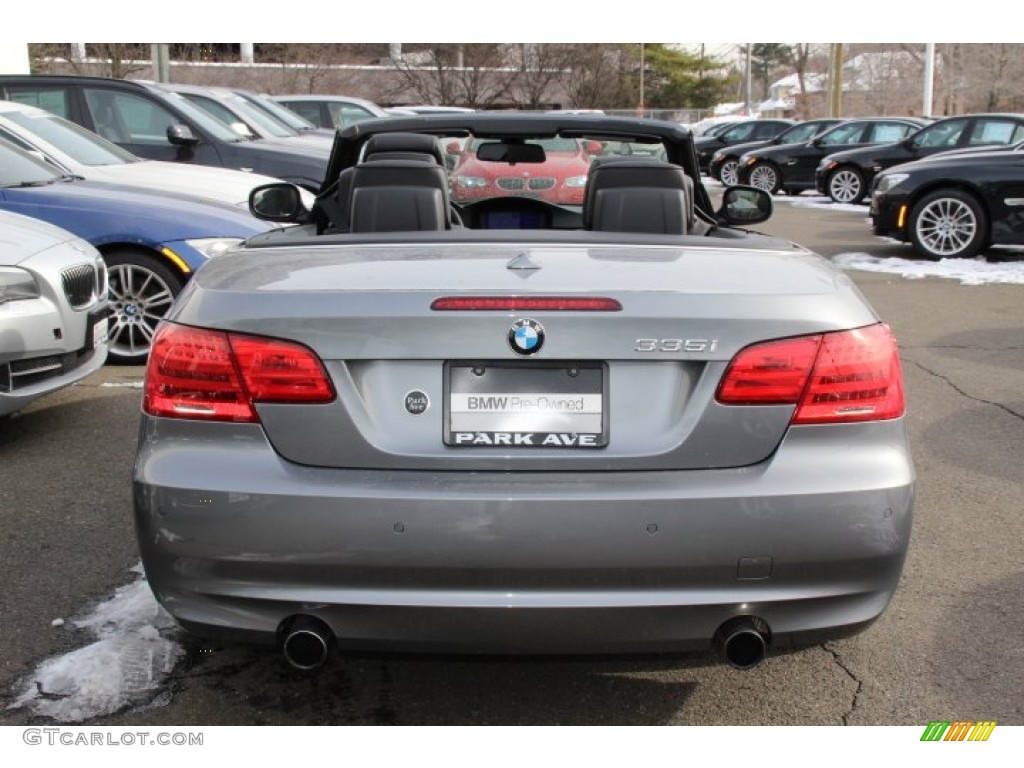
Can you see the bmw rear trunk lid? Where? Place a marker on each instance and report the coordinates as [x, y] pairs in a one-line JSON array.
[[477, 388]]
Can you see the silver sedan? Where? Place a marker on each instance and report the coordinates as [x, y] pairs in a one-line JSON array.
[[53, 310]]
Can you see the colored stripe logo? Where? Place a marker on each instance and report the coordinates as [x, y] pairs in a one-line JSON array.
[[958, 730]]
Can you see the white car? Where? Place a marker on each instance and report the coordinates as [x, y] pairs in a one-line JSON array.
[[53, 310], [81, 152]]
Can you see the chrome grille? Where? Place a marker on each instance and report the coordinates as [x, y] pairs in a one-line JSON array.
[[510, 182], [542, 183], [81, 285]]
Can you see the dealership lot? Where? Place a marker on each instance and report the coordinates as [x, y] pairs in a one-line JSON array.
[[949, 647]]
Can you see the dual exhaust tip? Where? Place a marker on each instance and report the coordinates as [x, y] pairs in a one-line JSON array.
[[307, 642]]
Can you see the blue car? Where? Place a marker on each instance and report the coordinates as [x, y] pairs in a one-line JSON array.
[[151, 243]]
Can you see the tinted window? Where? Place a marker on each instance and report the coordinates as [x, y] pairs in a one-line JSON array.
[[945, 134], [849, 133], [741, 132], [274, 109], [889, 133], [767, 130], [17, 167], [344, 114], [15, 140], [125, 118], [80, 145], [307, 109], [800, 133], [214, 107], [995, 131], [51, 99]]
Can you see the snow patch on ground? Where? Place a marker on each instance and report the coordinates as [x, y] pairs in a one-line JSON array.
[[132, 384], [126, 666], [820, 202], [967, 271]]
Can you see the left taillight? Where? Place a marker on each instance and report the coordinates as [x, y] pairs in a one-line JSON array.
[[197, 373]]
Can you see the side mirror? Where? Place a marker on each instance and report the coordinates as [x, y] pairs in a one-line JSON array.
[[277, 202], [745, 205], [181, 135], [453, 148]]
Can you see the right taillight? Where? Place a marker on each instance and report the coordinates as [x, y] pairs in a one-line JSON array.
[[196, 373], [832, 378]]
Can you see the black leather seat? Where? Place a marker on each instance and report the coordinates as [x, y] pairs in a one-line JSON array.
[[638, 195], [398, 196]]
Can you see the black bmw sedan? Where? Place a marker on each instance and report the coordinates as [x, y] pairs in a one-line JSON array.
[[740, 133], [846, 176], [954, 206], [725, 162], [791, 167]]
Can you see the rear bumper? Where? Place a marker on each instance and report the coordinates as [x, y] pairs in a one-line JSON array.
[[235, 540]]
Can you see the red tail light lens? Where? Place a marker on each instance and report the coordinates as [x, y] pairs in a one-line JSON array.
[[280, 371], [194, 373], [526, 303], [857, 377], [774, 373], [832, 378]]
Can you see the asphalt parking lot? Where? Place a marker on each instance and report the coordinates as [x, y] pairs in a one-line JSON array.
[[950, 646]]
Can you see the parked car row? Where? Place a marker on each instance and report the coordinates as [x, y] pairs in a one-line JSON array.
[[791, 167], [956, 186]]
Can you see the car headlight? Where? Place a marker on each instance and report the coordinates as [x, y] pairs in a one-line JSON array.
[[17, 284], [214, 246], [827, 164], [576, 181], [471, 182], [889, 180]]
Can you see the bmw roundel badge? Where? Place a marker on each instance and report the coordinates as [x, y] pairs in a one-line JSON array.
[[526, 336]]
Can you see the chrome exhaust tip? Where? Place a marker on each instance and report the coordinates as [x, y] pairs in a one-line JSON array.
[[743, 641], [306, 642]]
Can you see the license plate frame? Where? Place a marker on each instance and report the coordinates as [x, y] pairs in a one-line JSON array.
[[568, 419]]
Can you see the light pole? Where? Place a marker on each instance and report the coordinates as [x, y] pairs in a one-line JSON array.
[[640, 106]]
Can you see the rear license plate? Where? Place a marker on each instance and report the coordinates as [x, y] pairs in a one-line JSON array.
[[536, 405]]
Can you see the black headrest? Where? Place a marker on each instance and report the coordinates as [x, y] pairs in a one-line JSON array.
[[643, 195], [618, 171], [404, 142], [399, 196]]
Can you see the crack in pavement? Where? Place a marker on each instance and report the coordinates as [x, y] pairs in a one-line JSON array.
[[860, 686], [962, 392]]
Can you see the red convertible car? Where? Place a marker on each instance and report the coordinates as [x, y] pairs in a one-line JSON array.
[[560, 178]]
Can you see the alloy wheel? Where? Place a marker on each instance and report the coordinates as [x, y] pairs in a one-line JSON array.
[[946, 226], [846, 186], [139, 298], [764, 177], [728, 174]]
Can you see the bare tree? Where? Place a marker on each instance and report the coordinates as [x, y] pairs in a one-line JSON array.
[[116, 59], [473, 75], [123, 58], [601, 76], [545, 67]]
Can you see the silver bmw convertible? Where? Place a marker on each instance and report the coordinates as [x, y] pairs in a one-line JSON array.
[[513, 426]]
